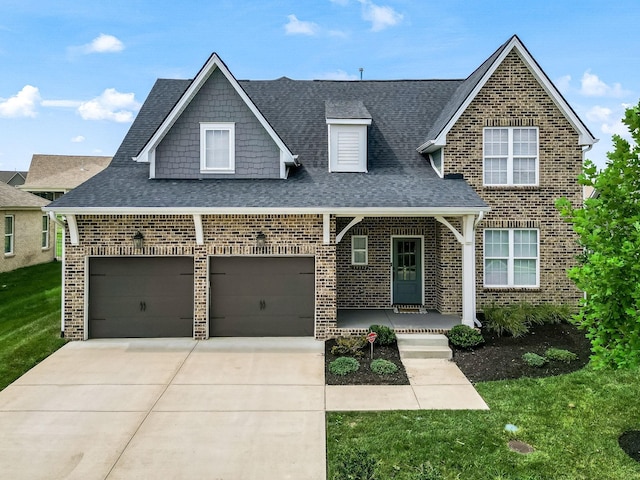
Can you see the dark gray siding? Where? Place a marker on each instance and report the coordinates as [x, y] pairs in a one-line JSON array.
[[178, 155]]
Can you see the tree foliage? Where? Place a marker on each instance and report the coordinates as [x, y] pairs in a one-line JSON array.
[[608, 228]]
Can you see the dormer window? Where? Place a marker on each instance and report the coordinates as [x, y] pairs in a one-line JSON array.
[[347, 122], [217, 147]]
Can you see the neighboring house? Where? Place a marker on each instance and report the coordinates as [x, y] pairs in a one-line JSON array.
[[25, 229], [51, 176], [13, 178], [263, 207]]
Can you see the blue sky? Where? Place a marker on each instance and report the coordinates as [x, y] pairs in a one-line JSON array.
[[73, 73]]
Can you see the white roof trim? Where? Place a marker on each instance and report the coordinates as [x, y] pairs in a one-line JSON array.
[[349, 121], [586, 138], [338, 211], [214, 62]]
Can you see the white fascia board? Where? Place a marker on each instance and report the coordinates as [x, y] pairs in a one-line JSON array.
[[338, 211], [585, 136], [197, 83], [348, 121]]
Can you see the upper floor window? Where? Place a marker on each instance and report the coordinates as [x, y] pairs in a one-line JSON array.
[[217, 147], [511, 258], [9, 234], [45, 231], [510, 156]]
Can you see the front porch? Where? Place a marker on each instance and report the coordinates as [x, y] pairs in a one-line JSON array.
[[358, 321]]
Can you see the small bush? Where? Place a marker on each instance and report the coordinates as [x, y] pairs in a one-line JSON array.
[[464, 336], [383, 367], [352, 346], [560, 355], [355, 464], [534, 360], [344, 366], [511, 320], [386, 336]]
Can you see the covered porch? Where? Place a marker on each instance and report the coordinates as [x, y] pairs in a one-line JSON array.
[[358, 321]]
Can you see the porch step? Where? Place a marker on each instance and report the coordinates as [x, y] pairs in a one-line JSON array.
[[424, 346]]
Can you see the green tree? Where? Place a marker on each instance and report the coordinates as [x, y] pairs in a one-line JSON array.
[[608, 271]]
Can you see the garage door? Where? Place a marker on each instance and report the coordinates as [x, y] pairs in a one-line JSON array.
[[262, 296], [140, 297]]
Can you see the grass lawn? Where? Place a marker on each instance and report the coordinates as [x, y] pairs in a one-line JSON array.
[[573, 421], [29, 318]]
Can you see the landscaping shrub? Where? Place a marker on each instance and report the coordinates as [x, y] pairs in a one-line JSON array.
[[352, 346], [344, 366], [511, 320], [355, 464], [534, 360], [383, 367], [549, 313], [386, 336], [560, 355], [464, 336]]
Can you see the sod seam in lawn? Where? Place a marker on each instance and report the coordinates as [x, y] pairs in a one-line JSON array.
[[29, 318]]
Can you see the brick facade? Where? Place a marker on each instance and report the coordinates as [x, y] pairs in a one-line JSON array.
[[174, 235], [513, 97]]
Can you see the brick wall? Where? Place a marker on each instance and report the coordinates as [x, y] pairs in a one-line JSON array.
[[178, 155], [174, 235], [512, 97], [370, 286]]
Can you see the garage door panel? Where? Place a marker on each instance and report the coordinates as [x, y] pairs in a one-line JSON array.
[[262, 296], [140, 297]]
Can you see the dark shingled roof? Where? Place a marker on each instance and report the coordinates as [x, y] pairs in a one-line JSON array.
[[346, 109], [402, 113]]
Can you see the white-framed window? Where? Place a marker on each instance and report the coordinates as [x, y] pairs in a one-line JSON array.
[[359, 250], [217, 147], [512, 258], [9, 234], [510, 156], [45, 231]]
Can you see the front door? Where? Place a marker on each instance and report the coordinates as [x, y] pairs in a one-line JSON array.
[[407, 271]]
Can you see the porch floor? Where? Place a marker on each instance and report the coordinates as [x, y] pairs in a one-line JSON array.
[[432, 320]]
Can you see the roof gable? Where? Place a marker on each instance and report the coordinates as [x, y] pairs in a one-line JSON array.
[[147, 153], [467, 91], [62, 172], [13, 198]]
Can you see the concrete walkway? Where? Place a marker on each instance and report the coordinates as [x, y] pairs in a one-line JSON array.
[[225, 409]]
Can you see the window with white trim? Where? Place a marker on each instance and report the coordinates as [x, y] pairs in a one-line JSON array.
[[359, 250], [511, 258], [45, 231], [510, 156], [9, 234], [217, 147]]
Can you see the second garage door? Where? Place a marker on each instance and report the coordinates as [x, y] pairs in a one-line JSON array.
[[262, 296]]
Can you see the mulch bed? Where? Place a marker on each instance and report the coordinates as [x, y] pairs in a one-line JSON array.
[[500, 358], [630, 443], [364, 375]]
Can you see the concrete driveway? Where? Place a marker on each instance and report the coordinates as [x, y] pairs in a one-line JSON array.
[[168, 408]]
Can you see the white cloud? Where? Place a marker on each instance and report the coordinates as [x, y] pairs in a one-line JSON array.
[[337, 75], [563, 83], [338, 34], [22, 104], [110, 105], [299, 27], [104, 44], [380, 16], [599, 114], [617, 128], [592, 86], [78, 139]]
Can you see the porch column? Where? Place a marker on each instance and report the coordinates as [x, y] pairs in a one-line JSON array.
[[468, 270]]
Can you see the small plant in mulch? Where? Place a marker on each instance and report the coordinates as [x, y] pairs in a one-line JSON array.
[[352, 346], [344, 366], [464, 336], [383, 367], [516, 320], [534, 360], [560, 355], [386, 336], [630, 443]]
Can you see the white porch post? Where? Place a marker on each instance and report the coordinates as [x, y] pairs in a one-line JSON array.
[[468, 270]]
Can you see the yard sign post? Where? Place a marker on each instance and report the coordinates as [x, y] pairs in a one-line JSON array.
[[371, 336]]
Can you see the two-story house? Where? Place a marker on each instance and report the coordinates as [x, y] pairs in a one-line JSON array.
[[261, 208]]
